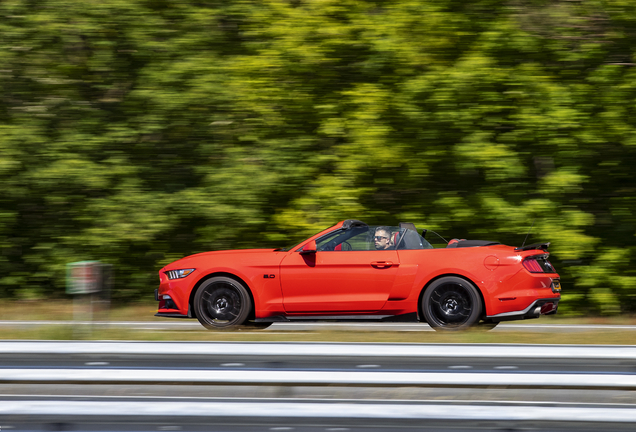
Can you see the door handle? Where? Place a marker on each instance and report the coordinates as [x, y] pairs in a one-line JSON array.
[[381, 264]]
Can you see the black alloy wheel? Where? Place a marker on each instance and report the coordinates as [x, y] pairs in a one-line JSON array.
[[451, 303], [222, 303]]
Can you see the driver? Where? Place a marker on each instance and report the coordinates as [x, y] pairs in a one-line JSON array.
[[382, 238]]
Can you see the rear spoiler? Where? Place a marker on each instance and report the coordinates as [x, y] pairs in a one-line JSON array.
[[541, 246]]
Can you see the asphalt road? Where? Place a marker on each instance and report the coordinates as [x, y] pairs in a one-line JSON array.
[[192, 324], [113, 386], [315, 357]]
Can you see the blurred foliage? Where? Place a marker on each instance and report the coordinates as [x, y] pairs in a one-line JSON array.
[[139, 131]]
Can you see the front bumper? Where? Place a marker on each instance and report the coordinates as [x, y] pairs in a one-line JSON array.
[[173, 295], [171, 315]]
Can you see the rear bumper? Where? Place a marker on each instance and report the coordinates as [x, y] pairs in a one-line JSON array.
[[546, 306]]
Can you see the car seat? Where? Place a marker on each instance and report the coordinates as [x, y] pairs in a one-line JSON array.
[[395, 238]]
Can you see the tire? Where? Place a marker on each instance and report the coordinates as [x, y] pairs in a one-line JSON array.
[[486, 326], [451, 303], [222, 303], [251, 325]]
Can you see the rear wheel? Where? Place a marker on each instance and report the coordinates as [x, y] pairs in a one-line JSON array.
[[486, 326], [451, 303], [222, 303]]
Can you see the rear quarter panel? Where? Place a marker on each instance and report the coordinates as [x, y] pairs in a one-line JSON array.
[[434, 263], [495, 270]]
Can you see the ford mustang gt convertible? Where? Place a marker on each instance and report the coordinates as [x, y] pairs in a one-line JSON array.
[[354, 271]]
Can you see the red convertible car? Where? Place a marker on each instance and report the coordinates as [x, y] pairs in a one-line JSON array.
[[353, 271]]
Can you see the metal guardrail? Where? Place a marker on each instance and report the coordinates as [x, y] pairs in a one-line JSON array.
[[366, 412], [290, 410], [313, 353], [312, 378], [265, 349]]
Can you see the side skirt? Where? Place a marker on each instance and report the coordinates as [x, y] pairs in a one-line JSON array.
[[409, 317]]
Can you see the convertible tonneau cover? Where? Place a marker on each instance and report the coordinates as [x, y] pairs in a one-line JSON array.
[[471, 243]]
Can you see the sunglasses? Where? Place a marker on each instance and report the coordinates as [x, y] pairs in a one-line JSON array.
[[378, 238]]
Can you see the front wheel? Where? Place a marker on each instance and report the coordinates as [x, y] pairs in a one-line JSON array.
[[451, 303], [222, 303]]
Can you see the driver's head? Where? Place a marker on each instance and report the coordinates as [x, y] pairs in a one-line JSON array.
[[382, 238]]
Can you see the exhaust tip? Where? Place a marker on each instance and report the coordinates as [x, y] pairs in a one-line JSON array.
[[535, 313]]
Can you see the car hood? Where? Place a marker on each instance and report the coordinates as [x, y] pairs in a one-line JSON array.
[[232, 251], [235, 254]]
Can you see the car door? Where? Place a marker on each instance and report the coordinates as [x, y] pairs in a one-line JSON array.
[[339, 279]]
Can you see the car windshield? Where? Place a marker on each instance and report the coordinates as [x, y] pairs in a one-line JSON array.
[[293, 245], [364, 238], [288, 248]]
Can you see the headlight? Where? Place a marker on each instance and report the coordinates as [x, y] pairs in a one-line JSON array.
[[178, 274]]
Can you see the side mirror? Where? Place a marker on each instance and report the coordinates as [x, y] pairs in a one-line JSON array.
[[309, 248]]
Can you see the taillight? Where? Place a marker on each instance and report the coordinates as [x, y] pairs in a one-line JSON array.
[[538, 264], [532, 265]]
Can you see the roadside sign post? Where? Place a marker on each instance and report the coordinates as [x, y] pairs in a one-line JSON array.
[[103, 297], [83, 280]]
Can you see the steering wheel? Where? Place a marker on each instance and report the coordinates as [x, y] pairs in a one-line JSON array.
[[328, 247]]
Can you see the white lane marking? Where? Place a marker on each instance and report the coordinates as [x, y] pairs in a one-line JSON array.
[[460, 367], [281, 428], [97, 363], [232, 364], [506, 367], [367, 366]]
